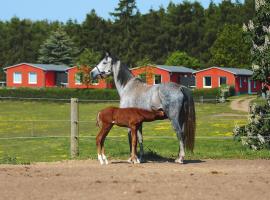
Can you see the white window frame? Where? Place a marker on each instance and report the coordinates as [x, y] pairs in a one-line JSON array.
[[29, 78], [155, 79], [77, 79], [16, 79], [220, 79], [204, 86]]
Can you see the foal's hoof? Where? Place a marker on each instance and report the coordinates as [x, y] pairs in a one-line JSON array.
[[133, 160]]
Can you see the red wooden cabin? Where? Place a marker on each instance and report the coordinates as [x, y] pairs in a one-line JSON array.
[[155, 74], [36, 75], [239, 78], [75, 82]]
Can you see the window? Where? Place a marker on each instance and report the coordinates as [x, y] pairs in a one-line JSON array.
[[94, 82], [207, 82], [143, 77], [241, 83], [254, 84], [17, 77], [157, 79], [32, 78], [78, 79], [222, 80]]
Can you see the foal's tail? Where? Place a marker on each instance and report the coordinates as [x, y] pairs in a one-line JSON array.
[[98, 121], [190, 119]]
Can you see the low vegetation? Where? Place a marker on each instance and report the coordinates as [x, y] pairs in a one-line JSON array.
[[39, 131]]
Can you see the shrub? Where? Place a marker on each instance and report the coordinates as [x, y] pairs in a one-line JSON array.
[[61, 93], [256, 134]]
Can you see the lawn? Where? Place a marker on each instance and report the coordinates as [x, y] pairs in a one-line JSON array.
[[47, 126]]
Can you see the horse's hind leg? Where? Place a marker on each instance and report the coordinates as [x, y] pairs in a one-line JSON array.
[[140, 140], [179, 129]]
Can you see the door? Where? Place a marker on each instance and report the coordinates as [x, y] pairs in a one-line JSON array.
[[249, 86]]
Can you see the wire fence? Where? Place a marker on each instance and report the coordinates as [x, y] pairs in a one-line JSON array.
[[26, 125]]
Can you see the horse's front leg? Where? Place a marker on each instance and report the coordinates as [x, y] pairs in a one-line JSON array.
[[140, 140]]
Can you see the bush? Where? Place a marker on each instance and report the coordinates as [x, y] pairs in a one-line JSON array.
[[256, 134], [61, 93], [212, 93]]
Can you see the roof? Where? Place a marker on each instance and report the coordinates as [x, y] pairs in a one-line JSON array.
[[179, 69], [45, 67], [235, 71]]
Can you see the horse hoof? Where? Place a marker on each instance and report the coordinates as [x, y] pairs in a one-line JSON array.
[[129, 160], [179, 160]]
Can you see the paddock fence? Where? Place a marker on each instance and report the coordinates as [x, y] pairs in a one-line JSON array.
[[73, 131]]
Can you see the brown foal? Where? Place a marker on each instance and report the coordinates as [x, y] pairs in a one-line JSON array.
[[124, 117]]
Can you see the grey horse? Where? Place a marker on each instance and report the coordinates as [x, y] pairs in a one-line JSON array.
[[176, 101]]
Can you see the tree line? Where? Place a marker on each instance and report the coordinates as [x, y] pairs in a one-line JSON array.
[[210, 36]]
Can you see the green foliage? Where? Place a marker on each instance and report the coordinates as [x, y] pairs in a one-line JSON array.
[[230, 49], [179, 58], [61, 93], [256, 134], [211, 93], [144, 62], [88, 57], [258, 33], [57, 49]]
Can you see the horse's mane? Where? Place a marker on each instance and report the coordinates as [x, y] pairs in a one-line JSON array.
[[124, 74]]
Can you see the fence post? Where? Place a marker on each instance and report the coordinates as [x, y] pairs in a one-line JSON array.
[[201, 99], [74, 120]]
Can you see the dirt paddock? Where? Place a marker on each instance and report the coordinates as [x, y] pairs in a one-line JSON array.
[[205, 179]]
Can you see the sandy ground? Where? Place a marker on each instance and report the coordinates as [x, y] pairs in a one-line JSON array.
[[241, 104], [206, 179]]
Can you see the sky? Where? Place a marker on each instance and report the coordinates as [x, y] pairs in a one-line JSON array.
[[62, 10]]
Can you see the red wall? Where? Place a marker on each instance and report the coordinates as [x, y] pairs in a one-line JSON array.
[[231, 80], [24, 69], [151, 71], [165, 75], [71, 81]]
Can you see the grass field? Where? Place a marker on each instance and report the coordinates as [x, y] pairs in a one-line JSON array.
[[41, 120]]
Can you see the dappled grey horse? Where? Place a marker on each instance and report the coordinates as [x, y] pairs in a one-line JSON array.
[[176, 100]]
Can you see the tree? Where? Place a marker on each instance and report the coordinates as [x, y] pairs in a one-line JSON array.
[[124, 28], [57, 49], [258, 32], [89, 57], [230, 48], [179, 58]]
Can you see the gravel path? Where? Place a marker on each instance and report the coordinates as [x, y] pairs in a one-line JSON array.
[[206, 179], [241, 104]]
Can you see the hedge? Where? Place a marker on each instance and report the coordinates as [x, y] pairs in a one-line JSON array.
[[87, 94]]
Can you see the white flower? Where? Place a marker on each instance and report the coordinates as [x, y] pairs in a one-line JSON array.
[[255, 67], [261, 139]]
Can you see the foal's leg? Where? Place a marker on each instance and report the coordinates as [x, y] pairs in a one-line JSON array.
[[100, 143], [134, 157]]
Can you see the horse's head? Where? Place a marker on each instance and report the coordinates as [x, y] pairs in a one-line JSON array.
[[104, 68]]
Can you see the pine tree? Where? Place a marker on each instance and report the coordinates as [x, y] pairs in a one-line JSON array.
[[258, 32], [57, 49], [125, 20]]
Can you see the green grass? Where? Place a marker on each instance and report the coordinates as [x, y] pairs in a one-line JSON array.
[[213, 120]]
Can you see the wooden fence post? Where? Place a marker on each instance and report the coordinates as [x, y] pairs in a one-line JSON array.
[[74, 120]]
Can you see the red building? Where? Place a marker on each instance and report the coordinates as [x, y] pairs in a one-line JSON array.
[[216, 76], [47, 75], [36, 75], [75, 82], [163, 74]]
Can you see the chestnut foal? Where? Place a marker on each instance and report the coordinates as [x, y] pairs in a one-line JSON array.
[[124, 117]]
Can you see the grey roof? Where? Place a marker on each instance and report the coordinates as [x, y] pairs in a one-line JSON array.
[[45, 67], [238, 71], [235, 71], [180, 69]]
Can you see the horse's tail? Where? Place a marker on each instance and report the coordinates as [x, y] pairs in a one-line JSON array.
[[98, 121], [189, 119]]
